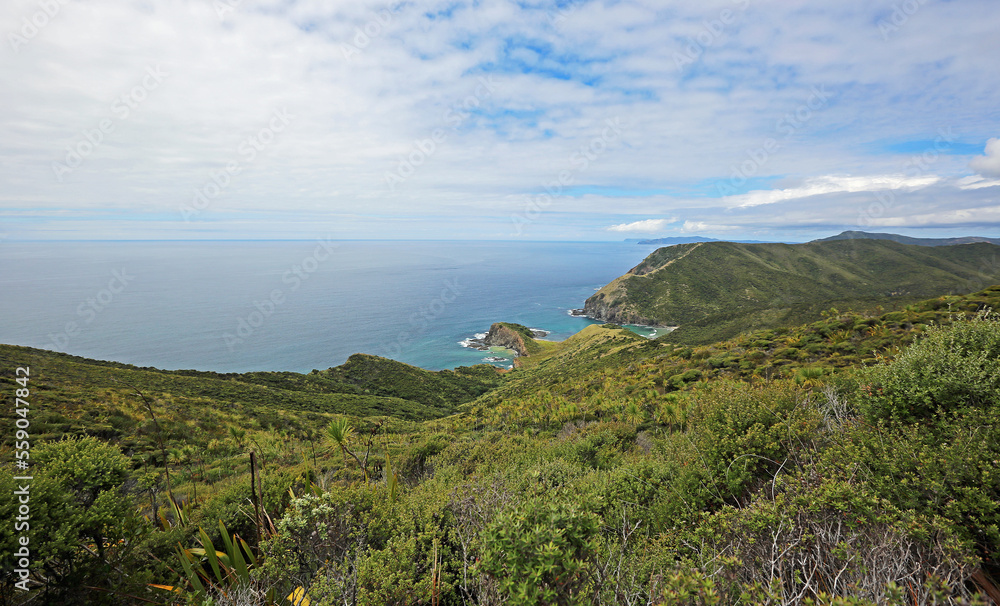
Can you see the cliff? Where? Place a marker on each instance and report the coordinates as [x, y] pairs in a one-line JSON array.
[[714, 283], [618, 302], [512, 336]]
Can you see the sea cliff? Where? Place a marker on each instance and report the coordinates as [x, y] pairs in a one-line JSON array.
[[515, 337]]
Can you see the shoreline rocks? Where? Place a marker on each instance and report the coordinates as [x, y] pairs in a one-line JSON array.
[[508, 336]]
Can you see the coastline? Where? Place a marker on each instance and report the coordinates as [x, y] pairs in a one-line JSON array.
[[503, 357], [655, 330]]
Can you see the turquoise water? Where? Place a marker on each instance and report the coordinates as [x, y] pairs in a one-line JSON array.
[[242, 306]]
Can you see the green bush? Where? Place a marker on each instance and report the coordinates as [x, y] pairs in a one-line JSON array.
[[83, 522], [416, 463], [599, 445], [834, 535], [540, 552], [327, 533], [949, 369], [744, 433], [947, 471]]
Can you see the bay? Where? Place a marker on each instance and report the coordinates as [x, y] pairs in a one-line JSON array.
[[238, 306]]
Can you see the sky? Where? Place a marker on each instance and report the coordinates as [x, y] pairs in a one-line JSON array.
[[582, 120]]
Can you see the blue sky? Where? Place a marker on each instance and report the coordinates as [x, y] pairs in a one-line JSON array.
[[495, 119]]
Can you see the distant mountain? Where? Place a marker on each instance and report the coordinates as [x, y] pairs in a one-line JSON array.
[[719, 289], [692, 239], [862, 235]]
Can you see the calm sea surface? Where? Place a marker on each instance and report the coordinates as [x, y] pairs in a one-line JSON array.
[[242, 306]]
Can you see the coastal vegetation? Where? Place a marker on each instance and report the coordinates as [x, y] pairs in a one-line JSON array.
[[864, 235], [850, 460], [716, 290]]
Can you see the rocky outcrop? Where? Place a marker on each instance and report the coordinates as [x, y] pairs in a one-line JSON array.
[[607, 309], [611, 304], [503, 335], [520, 339]]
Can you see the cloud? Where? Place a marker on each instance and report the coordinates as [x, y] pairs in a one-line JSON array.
[[988, 165], [648, 226], [379, 88], [816, 186], [953, 217], [976, 182], [702, 226]]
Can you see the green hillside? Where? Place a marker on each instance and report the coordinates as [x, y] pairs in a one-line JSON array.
[[715, 290], [364, 386], [863, 235], [847, 461]]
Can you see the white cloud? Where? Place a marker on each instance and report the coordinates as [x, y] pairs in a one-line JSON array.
[[976, 182], [816, 186], [702, 226], [958, 217], [648, 226], [988, 165], [359, 115]]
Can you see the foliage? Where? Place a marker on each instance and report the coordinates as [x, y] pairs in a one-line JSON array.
[[83, 522], [226, 572], [947, 370], [716, 290], [833, 537], [541, 552], [849, 461]]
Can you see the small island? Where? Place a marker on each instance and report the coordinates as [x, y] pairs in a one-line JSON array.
[[516, 337]]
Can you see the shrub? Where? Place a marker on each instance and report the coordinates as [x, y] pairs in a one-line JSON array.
[[742, 432], [83, 521], [948, 369], [835, 537], [541, 552], [326, 532], [949, 470]]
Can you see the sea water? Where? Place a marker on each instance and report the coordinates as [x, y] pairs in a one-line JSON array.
[[237, 306]]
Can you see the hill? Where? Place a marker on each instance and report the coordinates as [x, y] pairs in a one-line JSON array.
[[851, 460], [861, 235], [101, 398], [715, 290], [596, 368]]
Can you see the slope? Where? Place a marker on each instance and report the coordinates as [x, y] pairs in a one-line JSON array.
[[863, 235], [740, 286], [363, 386]]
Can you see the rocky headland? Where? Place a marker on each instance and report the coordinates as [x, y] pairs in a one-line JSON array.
[[515, 337]]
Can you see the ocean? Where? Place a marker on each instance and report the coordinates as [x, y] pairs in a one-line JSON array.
[[239, 306]]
